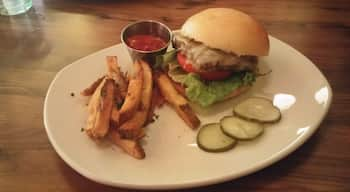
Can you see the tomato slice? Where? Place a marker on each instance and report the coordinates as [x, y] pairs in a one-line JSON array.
[[212, 75], [181, 58]]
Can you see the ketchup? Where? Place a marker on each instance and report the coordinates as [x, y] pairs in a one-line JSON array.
[[145, 42]]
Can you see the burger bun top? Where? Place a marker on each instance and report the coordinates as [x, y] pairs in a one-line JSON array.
[[229, 30]]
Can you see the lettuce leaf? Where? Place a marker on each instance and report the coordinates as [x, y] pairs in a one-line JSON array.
[[176, 73], [205, 94], [163, 60]]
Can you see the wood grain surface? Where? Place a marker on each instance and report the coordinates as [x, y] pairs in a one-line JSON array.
[[54, 33]]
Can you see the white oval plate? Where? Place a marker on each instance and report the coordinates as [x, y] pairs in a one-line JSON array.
[[173, 159]]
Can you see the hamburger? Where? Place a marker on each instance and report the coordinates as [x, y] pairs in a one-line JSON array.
[[216, 54]]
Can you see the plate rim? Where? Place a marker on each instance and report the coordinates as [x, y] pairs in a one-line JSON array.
[[287, 150]]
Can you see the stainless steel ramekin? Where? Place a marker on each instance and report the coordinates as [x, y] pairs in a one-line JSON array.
[[146, 27]]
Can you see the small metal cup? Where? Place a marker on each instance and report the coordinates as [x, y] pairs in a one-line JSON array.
[[146, 27]]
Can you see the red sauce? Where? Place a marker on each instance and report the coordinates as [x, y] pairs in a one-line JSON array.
[[145, 42]]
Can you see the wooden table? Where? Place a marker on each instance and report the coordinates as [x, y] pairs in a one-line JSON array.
[[34, 46]]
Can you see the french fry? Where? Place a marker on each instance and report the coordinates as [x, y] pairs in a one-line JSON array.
[[118, 100], [179, 88], [115, 116], [132, 147], [157, 102], [100, 108], [105, 109], [133, 96], [120, 85], [176, 100], [91, 89], [131, 128], [115, 73], [92, 108]]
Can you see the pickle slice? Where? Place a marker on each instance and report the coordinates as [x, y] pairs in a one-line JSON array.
[[257, 109], [210, 138], [241, 129]]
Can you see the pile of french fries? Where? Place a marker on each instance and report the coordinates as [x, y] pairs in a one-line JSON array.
[[120, 106]]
